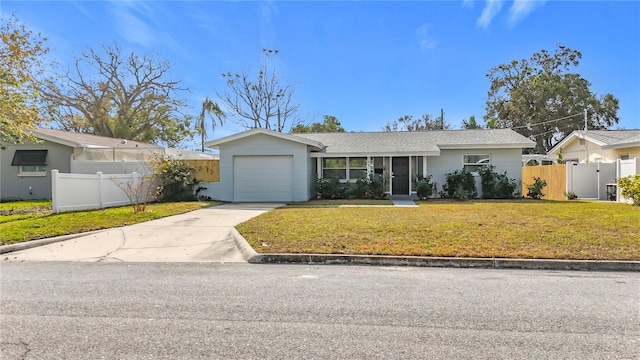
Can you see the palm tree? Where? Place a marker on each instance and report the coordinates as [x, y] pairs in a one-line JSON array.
[[209, 107]]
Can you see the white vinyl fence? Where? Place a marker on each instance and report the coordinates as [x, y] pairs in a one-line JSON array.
[[626, 168], [589, 181], [97, 191]]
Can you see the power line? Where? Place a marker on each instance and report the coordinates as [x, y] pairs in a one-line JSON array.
[[543, 123]]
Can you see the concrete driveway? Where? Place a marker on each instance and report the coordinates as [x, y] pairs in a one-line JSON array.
[[204, 235]]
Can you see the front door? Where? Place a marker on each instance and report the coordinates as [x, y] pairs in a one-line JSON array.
[[400, 180]]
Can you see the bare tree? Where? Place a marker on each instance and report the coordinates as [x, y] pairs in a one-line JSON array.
[[115, 95], [265, 102]]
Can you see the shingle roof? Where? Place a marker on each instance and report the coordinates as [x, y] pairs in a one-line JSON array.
[[607, 139], [86, 140], [417, 142], [611, 137]]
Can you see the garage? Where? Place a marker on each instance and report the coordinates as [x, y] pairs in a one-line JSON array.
[[263, 178]]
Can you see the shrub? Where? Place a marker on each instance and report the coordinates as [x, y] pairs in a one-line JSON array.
[[535, 189], [494, 185], [175, 176], [375, 187], [371, 187], [630, 188], [570, 195], [460, 185], [330, 188], [424, 187]]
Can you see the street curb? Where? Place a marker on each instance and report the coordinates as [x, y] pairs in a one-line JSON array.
[[42, 242], [449, 262], [247, 251]]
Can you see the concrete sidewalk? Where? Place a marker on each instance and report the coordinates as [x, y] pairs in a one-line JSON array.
[[205, 235]]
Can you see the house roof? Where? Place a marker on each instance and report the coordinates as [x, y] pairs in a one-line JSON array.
[[216, 143], [419, 142], [607, 139], [76, 140]]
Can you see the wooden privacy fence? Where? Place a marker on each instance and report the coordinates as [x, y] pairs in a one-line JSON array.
[[205, 170], [554, 175]]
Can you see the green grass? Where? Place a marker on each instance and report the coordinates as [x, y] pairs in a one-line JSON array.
[[33, 224], [514, 229]]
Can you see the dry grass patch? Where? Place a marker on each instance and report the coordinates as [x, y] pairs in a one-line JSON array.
[[514, 229]]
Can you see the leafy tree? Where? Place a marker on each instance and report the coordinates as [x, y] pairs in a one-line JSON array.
[[124, 96], [531, 95], [471, 124], [329, 124], [265, 102], [425, 123], [209, 107], [21, 63]]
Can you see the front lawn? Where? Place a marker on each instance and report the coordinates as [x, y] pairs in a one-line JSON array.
[[513, 229], [22, 221]]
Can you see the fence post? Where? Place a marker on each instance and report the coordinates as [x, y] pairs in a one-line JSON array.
[[54, 191], [100, 189]]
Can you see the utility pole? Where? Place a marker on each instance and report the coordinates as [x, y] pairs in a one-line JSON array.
[[441, 119], [585, 120]]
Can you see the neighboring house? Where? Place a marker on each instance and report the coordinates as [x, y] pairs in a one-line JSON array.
[[25, 169], [263, 165], [593, 146]]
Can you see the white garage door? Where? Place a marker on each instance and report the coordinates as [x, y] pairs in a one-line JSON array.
[[263, 178]]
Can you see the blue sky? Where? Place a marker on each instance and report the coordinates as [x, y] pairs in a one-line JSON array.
[[365, 62]]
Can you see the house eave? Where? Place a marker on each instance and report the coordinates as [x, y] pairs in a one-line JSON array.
[[486, 146], [374, 154], [215, 144], [622, 145], [54, 139]]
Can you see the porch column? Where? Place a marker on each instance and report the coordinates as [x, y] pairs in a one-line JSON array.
[[424, 166], [410, 173], [390, 175], [319, 167]]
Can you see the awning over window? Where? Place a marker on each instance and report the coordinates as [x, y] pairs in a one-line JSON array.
[[29, 157]]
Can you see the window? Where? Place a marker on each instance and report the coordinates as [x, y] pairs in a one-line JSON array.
[[334, 167], [344, 168], [30, 162], [624, 157], [472, 163], [357, 168]]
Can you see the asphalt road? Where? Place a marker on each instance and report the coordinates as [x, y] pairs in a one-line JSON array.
[[58, 310]]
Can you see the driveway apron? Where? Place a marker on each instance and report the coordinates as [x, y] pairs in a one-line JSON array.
[[199, 236]]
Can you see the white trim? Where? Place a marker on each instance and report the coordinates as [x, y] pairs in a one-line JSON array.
[[373, 154], [484, 146], [215, 144], [22, 173]]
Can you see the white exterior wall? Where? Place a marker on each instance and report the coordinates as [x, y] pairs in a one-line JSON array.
[[261, 145], [590, 152], [509, 160], [15, 187]]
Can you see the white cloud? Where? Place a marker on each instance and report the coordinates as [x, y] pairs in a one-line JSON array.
[[425, 40], [468, 3], [521, 8], [130, 26], [491, 9], [268, 11]]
